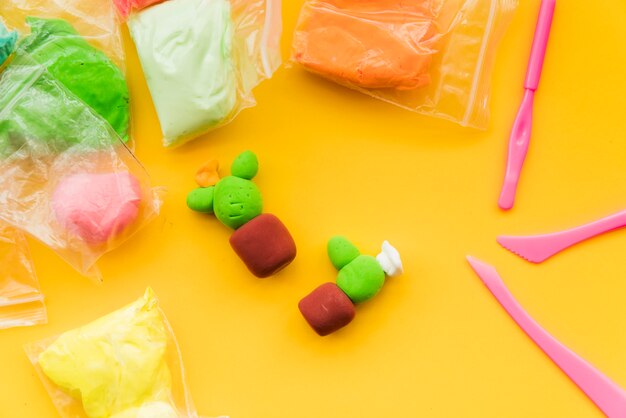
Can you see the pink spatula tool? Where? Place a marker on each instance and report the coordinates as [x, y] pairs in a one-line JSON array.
[[520, 135], [609, 397], [538, 248]]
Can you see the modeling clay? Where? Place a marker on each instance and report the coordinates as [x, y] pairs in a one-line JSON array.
[[208, 175], [329, 307], [261, 240], [430, 56], [43, 112], [245, 166], [124, 365], [341, 252], [236, 201], [264, 244], [66, 177], [185, 51], [114, 363], [97, 207], [202, 58], [7, 43], [124, 7], [374, 44], [201, 199], [361, 279], [84, 70]]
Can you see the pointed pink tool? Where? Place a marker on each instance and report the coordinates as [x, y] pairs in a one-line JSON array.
[[609, 397], [520, 134], [539, 248]]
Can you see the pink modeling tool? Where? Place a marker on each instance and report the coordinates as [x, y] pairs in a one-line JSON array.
[[539, 248], [609, 397], [520, 135]]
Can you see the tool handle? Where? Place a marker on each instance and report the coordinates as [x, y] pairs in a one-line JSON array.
[[606, 394], [540, 43], [518, 148]]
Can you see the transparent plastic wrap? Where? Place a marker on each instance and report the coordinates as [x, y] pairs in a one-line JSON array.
[[433, 57], [126, 7], [65, 176], [21, 301], [202, 58], [81, 45], [135, 366]]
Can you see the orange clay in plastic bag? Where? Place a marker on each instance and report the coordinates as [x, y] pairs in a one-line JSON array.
[[429, 56], [126, 364], [351, 48], [21, 301]]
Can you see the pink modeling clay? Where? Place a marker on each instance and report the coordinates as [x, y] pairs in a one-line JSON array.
[[97, 207], [124, 7]]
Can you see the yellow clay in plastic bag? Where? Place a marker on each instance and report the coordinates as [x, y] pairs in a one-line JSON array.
[[115, 363]]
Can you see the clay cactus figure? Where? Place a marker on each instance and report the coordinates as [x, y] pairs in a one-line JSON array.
[[331, 306], [261, 240]]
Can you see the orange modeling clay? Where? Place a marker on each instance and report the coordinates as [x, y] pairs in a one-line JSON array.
[[372, 44]]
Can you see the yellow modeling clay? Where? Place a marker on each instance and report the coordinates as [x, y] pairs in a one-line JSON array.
[[116, 363]]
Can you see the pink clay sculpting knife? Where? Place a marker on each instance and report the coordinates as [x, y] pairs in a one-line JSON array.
[[538, 248], [607, 396], [520, 134]]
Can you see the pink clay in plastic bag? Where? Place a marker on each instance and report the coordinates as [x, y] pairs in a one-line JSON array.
[[433, 57], [66, 178]]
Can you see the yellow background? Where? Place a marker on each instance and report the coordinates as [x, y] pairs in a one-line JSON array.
[[433, 343]]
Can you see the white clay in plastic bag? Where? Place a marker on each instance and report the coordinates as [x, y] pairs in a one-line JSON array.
[[202, 58]]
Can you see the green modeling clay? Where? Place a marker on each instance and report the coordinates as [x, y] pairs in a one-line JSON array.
[[341, 252], [245, 166], [362, 276], [7, 43], [235, 199], [115, 363], [330, 307], [39, 114], [361, 279], [201, 199], [261, 240], [84, 70]]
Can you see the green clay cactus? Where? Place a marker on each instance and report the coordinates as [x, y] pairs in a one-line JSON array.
[[362, 276], [235, 200]]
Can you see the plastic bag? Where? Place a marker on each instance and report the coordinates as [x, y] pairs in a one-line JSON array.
[[433, 57], [125, 7], [135, 366], [80, 44], [202, 58], [65, 176], [21, 301]]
